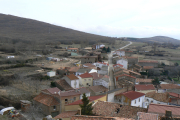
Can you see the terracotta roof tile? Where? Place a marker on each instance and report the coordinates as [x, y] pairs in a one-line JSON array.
[[110, 109], [46, 99], [174, 94], [98, 88], [132, 94], [124, 75], [91, 98], [145, 87], [169, 86], [66, 114], [147, 116], [83, 90], [96, 76], [54, 90], [64, 85], [74, 69], [162, 97], [161, 109], [72, 77], [141, 80], [86, 75]]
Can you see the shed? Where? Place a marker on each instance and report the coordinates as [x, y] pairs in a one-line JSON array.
[[25, 104], [51, 73]]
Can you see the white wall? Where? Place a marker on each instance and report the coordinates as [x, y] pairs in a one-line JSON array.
[[73, 83], [111, 97], [138, 103], [87, 95], [101, 82], [148, 101], [51, 74], [123, 62]]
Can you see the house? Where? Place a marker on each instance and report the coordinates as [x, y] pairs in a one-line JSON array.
[[131, 60], [83, 90], [97, 46], [174, 98], [96, 76], [88, 65], [145, 68], [143, 81], [161, 109], [131, 98], [100, 64], [148, 63], [82, 71], [156, 98], [72, 80], [52, 100], [145, 88], [104, 81], [65, 115], [75, 105], [124, 80], [73, 50], [147, 116], [123, 62], [88, 59], [103, 70], [85, 80], [63, 85], [51, 73], [109, 109], [96, 90]]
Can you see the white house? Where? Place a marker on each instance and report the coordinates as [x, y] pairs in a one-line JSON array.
[[51, 73], [123, 62], [72, 80], [104, 81], [120, 53], [10, 57], [100, 64], [131, 98], [156, 98]]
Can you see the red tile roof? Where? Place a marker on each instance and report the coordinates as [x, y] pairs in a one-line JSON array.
[[147, 116], [148, 61], [72, 77], [96, 76], [174, 94], [83, 90], [98, 88], [86, 75], [109, 109], [73, 48], [104, 63], [162, 97], [54, 90], [124, 75], [46, 99], [65, 86], [132, 94], [161, 109], [145, 87], [141, 80], [169, 86], [66, 114], [92, 98], [74, 69]]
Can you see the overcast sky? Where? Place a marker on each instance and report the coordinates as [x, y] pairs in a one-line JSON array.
[[117, 18]]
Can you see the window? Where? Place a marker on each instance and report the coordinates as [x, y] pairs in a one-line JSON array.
[[139, 99], [66, 100], [54, 107], [151, 101], [87, 83], [74, 98], [135, 102]]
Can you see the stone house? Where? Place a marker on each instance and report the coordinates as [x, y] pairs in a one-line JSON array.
[[131, 98], [63, 85], [72, 80], [52, 101], [85, 80], [88, 59]]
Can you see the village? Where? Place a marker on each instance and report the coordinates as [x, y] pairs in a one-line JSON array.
[[120, 86]]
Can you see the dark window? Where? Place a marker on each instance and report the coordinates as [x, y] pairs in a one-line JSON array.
[[139, 99], [66, 100], [54, 107], [87, 83], [74, 98]]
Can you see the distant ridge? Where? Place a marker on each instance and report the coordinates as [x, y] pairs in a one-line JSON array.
[[159, 39], [13, 27]]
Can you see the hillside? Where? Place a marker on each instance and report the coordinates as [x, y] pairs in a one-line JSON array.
[[23, 29], [159, 39]]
